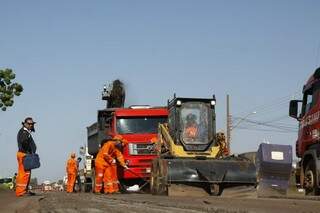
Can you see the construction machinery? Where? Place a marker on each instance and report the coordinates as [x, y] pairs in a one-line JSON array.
[[307, 113], [190, 155]]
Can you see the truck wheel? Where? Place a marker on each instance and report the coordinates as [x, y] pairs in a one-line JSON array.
[[310, 179]]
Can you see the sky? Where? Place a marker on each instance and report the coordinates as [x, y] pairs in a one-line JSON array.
[[63, 52]]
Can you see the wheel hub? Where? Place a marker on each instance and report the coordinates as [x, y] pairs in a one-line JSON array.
[[308, 180]]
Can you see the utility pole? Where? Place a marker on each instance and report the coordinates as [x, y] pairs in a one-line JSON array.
[[228, 125]]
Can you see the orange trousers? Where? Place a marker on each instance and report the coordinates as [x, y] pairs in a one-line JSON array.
[[107, 177], [71, 182], [23, 177]]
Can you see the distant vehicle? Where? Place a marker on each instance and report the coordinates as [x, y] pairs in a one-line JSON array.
[[57, 187], [46, 186], [7, 183], [307, 144]]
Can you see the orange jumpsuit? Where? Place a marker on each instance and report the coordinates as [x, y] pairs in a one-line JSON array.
[[72, 170], [23, 177], [191, 131], [106, 168]]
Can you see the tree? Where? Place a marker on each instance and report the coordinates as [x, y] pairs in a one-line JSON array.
[[8, 89]]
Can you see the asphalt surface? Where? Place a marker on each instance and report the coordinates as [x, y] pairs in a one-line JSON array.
[[239, 200]]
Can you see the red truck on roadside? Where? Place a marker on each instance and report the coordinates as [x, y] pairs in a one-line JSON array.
[[307, 112], [138, 124]]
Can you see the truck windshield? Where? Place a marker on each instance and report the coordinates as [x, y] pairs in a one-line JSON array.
[[139, 125]]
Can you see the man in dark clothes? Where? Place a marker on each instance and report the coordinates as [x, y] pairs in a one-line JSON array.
[[26, 146], [78, 179]]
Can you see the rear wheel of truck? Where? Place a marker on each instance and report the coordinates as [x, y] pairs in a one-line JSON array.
[[310, 179]]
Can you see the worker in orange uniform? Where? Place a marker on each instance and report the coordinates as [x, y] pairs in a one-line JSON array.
[[191, 129], [106, 164], [26, 145], [72, 171]]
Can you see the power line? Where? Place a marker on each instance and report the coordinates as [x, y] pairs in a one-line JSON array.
[[284, 127], [266, 130], [270, 105], [272, 121]]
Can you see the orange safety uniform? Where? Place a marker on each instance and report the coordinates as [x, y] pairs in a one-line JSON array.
[[23, 177], [106, 168], [192, 131], [72, 170], [26, 146]]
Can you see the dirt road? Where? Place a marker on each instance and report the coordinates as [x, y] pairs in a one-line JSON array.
[[234, 201]]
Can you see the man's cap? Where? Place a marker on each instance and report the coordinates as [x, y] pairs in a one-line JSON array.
[[28, 119]]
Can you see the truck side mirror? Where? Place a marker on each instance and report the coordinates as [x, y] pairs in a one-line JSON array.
[[293, 109]]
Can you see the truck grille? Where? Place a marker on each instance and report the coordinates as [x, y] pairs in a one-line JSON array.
[[141, 149]]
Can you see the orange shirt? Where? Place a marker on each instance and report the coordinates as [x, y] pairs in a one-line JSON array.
[[191, 132], [72, 167], [108, 153]]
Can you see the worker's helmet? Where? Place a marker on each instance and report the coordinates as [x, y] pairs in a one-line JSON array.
[[154, 140], [119, 139], [191, 117], [221, 136], [73, 155]]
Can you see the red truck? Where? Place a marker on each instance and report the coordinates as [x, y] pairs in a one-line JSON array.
[[137, 124], [307, 112]]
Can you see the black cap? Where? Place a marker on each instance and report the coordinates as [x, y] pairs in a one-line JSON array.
[[28, 119]]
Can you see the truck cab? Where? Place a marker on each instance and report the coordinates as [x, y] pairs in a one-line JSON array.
[[307, 112], [138, 126]]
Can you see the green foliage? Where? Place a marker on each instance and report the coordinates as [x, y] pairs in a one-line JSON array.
[[8, 89]]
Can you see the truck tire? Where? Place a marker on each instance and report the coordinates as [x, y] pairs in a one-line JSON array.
[[310, 179]]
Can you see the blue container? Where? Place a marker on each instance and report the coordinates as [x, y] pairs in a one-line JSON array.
[[274, 167]]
